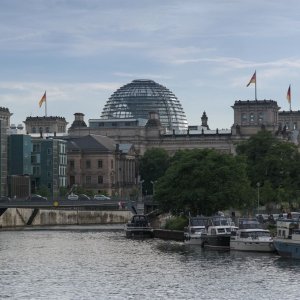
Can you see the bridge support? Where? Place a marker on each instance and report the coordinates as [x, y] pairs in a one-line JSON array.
[[33, 215]]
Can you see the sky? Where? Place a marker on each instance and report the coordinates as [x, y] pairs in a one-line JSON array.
[[204, 51]]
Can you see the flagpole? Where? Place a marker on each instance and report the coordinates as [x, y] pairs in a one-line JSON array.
[[255, 88], [290, 99], [45, 106]]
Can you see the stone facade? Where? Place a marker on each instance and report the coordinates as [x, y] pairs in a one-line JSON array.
[[250, 116], [45, 125], [98, 164]]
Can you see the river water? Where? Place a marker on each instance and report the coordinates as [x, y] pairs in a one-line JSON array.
[[100, 263]]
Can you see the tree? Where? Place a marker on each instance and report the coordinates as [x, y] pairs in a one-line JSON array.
[[203, 181], [274, 164], [152, 166]]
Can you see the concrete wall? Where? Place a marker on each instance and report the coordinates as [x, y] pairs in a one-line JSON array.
[[18, 217]]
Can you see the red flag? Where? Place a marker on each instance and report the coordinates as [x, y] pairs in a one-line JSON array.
[[43, 99], [289, 95], [253, 79]]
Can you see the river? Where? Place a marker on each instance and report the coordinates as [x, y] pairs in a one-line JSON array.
[[99, 263]]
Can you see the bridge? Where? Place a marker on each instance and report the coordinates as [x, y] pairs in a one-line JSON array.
[[61, 203]]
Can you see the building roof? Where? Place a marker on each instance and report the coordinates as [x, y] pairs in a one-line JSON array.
[[91, 143], [138, 98]]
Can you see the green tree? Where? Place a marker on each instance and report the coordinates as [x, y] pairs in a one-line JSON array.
[[43, 191], [152, 166], [274, 164], [204, 181]]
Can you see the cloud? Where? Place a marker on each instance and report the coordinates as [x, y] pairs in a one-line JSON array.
[[141, 75]]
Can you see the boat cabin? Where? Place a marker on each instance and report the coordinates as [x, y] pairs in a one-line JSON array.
[[286, 228], [139, 221]]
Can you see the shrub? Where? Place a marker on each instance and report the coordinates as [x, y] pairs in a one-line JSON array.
[[177, 223]]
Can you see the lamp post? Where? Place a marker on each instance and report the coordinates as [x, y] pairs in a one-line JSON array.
[[258, 185], [153, 187], [141, 190]]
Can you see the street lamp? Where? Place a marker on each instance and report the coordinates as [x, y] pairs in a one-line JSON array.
[[141, 189], [153, 187], [258, 185]]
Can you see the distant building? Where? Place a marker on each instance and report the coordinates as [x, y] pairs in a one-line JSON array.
[[45, 125], [49, 163], [98, 164], [4, 125], [19, 154], [136, 99]]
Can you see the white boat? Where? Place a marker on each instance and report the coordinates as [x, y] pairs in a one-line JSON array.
[[251, 237], [195, 230], [287, 240]]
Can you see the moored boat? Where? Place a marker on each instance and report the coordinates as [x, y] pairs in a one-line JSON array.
[[251, 237], [139, 227], [218, 233], [195, 231], [287, 240]]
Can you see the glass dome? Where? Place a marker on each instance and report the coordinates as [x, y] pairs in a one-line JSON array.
[[138, 98]]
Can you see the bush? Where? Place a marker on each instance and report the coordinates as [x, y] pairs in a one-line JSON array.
[[177, 223]]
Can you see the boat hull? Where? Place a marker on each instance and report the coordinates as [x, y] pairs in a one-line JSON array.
[[191, 239], [139, 232], [221, 242], [252, 246], [287, 248]]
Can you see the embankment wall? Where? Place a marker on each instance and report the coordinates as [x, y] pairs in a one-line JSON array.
[[18, 217]]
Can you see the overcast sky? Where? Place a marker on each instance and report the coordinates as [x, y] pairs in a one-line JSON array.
[[204, 51]]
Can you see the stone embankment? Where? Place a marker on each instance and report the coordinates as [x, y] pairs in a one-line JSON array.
[[20, 217]]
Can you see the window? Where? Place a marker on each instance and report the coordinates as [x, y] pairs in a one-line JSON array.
[[260, 117], [33, 130], [36, 148], [88, 179], [41, 129], [99, 164], [251, 117], [100, 179], [47, 129], [244, 118], [36, 171], [49, 151], [72, 164], [88, 164], [112, 164]]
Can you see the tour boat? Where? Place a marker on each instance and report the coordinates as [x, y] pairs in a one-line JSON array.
[[218, 233], [196, 229], [139, 227], [287, 240], [251, 237]]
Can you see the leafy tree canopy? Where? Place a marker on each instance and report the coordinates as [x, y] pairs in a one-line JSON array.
[[152, 166], [203, 181], [274, 164]]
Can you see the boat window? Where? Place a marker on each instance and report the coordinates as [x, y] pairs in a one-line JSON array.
[[221, 230], [244, 235], [213, 231]]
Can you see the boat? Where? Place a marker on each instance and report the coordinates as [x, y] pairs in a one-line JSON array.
[[250, 236], [287, 240], [195, 230], [139, 227], [218, 233]]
